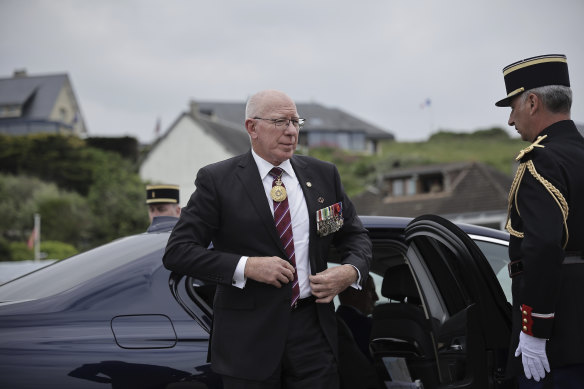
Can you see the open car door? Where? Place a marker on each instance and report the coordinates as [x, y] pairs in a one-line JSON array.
[[455, 332]]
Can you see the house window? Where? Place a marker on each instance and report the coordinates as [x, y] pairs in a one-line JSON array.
[[403, 186], [411, 186], [10, 111], [397, 187], [343, 140], [432, 183]]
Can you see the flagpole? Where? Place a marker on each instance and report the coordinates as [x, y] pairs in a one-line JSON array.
[[37, 237]]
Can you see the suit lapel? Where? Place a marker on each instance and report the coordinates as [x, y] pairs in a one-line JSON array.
[[249, 177]]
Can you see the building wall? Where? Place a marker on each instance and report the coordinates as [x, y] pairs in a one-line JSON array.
[[177, 158], [66, 111]]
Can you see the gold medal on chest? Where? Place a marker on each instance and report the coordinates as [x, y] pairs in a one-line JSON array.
[[278, 192]]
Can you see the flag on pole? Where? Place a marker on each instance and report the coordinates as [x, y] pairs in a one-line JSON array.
[[426, 103]]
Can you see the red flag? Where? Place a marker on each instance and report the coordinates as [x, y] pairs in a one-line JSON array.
[[31, 239]]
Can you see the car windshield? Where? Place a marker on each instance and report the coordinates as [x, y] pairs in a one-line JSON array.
[[71, 272]]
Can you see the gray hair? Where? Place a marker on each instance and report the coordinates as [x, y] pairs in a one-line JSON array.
[[251, 107], [259, 102], [555, 98]]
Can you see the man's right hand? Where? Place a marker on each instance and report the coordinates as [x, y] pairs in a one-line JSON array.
[[269, 270], [533, 356]]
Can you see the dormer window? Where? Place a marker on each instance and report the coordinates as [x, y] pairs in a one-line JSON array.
[[417, 184], [431, 183], [10, 111]]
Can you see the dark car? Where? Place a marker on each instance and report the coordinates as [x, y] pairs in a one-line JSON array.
[[114, 315]]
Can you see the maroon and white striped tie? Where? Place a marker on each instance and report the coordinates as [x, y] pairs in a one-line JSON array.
[[284, 226]]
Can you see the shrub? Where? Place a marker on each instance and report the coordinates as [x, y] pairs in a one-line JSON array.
[[19, 251]]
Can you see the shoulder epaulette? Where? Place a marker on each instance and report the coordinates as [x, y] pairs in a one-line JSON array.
[[531, 147]]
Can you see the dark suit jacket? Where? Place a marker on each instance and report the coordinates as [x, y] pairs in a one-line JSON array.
[[229, 208]]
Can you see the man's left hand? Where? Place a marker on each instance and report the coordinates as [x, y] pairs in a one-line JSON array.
[[327, 284]]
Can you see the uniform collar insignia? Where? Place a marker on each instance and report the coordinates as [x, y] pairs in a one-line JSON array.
[[531, 147]]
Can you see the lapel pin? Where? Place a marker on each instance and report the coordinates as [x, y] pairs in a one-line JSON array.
[[320, 200], [309, 184]]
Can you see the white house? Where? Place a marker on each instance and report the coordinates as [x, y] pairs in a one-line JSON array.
[[191, 142]]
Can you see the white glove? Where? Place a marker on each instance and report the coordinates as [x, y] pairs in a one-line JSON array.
[[532, 351]]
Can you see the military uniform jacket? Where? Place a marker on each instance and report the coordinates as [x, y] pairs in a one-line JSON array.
[[546, 223], [230, 209]]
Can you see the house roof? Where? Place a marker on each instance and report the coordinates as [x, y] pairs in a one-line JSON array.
[[475, 187], [318, 118], [234, 138], [40, 92]]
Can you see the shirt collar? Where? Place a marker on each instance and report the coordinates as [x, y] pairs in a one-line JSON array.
[[264, 166]]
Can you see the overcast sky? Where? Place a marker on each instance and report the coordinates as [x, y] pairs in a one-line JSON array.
[[132, 62]]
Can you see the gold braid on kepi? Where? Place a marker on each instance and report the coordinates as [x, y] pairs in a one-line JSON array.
[[552, 190]]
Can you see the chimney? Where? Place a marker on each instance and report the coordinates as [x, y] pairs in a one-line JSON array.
[[194, 108], [20, 73]]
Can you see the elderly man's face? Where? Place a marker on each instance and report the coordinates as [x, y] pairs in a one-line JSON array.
[[520, 117], [274, 144], [163, 209]]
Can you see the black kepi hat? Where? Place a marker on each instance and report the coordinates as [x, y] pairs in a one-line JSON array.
[[162, 194], [551, 69]]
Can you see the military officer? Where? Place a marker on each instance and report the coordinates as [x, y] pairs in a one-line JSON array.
[[162, 200], [546, 223]]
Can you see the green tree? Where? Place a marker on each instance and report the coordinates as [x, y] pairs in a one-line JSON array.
[[116, 199], [65, 216], [94, 196]]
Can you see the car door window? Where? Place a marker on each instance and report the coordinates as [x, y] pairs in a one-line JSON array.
[[443, 266], [497, 254]]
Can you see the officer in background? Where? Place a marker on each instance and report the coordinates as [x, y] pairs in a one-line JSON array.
[[163, 204], [546, 223]]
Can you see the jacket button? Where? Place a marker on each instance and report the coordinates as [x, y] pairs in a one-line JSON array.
[[525, 320], [524, 329]]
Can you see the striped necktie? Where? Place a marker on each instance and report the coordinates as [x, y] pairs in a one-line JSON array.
[[284, 226]]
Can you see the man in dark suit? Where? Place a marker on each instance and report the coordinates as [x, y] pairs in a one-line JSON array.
[[546, 223], [274, 323]]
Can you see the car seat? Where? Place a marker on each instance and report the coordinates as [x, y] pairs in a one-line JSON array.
[[400, 329]]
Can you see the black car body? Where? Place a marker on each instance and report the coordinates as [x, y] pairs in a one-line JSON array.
[[114, 315]]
